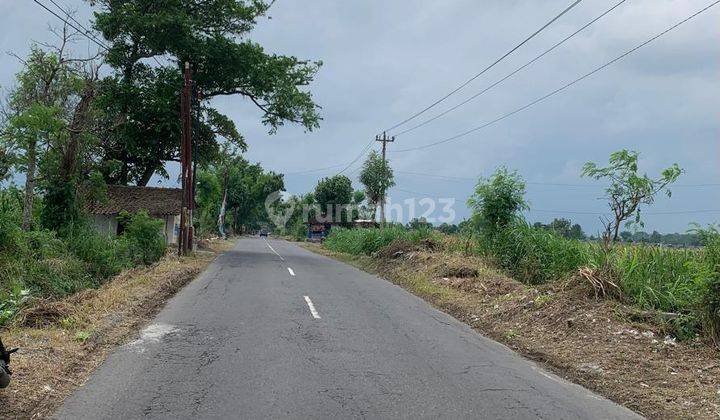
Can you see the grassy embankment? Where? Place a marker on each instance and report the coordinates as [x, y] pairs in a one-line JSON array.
[[682, 284], [555, 311]]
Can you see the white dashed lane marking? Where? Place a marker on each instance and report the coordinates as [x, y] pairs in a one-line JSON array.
[[313, 311], [290, 270], [273, 250]]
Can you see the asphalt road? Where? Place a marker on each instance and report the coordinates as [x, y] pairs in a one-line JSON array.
[[271, 330]]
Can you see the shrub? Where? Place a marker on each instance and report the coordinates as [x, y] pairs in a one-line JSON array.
[[105, 256], [299, 231], [143, 239], [58, 277], [534, 255], [710, 238], [10, 220], [11, 299], [497, 201]]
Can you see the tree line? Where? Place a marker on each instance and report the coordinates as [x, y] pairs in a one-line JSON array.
[[72, 123]]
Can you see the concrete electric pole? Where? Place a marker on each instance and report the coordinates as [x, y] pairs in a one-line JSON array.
[[385, 140]]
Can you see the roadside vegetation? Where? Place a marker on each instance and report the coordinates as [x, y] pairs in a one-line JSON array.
[[67, 131], [681, 286], [41, 263]]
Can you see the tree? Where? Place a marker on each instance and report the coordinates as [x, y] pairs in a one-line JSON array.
[[497, 201], [377, 177], [141, 100], [419, 223], [449, 229], [564, 228], [46, 125], [626, 236], [238, 188], [628, 190], [332, 194]]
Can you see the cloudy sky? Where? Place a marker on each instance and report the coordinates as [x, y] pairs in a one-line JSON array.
[[384, 61]]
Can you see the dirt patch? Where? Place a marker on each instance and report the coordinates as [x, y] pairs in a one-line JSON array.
[[403, 248], [599, 343], [62, 342]]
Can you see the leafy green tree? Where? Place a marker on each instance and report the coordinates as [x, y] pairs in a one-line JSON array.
[[497, 201], [302, 209], [419, 223], [576, 232], [140, 101], [626, 236], [628, 190], [332, 194], [564, 228], [46, 120], [248, 185], [377, 177], [449, 229]]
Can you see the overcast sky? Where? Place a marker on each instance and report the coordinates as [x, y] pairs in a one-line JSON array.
[[383, 61]]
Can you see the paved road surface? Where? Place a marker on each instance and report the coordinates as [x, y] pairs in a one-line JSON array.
[[271, 330]]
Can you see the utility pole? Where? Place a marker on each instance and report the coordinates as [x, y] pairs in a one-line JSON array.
[[185, 237], [385, 140]]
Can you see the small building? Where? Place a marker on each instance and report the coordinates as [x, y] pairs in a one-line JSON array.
[[160, 203]]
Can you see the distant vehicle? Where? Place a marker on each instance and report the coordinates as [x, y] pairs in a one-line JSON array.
[[263, 232]]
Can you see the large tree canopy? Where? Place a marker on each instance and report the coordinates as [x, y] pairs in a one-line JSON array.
[[141, 101]]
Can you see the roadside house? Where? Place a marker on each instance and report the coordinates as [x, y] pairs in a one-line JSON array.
[[160, 203]]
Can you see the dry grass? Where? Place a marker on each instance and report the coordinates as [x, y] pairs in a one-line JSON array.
[[62, 342], [589, 341]]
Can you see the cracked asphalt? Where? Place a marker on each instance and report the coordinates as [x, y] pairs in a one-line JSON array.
[[241, 342]]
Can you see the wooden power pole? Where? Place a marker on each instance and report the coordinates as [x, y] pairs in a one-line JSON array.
[[385, 140], [186, 216]]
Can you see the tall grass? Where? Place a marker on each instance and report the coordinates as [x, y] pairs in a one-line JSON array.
[[681, 281], [370, 241], [533, 255], [685, 282], [40, 263]]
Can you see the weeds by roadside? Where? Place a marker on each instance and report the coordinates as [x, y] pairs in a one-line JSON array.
[[681, 283], [62, 340], [370, 241], [38, 264]]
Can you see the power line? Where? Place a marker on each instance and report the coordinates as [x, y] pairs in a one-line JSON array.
[[362, 153], [87, 31], [519, 69], [591, 213], [567, 9], [555, 184], [71, 25], [314, 170], [556, 91], [579, 212]]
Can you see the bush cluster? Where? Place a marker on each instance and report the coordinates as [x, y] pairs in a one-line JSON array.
[[42, 263], [370, 241]]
